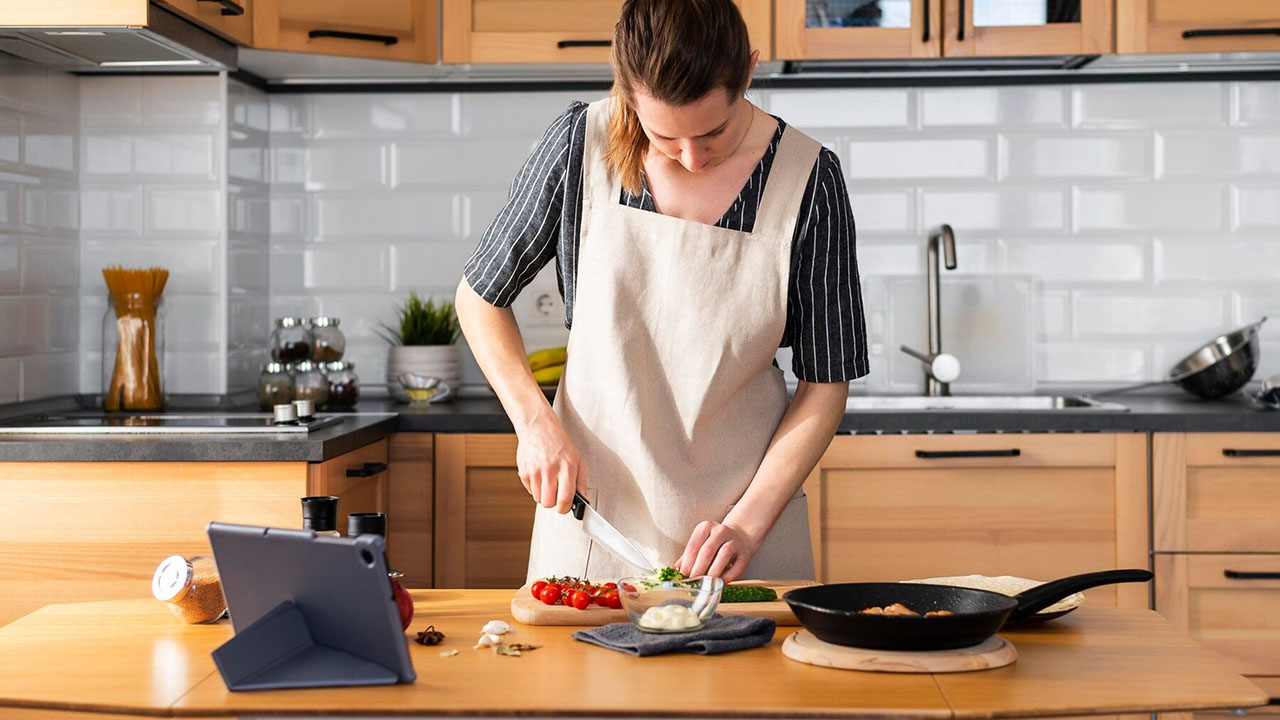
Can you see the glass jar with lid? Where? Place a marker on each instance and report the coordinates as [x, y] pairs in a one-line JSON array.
[[309, 383], [328, 341], [191, 587], [344, 386], [291, 341], [275, 385]]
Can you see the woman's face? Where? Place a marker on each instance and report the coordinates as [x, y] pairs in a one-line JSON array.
[[698, 135]]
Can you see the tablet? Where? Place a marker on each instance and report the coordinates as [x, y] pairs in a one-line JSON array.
[[308, 610]]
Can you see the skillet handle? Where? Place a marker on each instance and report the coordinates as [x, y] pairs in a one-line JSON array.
[[1038, 598]]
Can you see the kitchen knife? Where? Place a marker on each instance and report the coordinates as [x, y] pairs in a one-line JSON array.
[[599, 529]]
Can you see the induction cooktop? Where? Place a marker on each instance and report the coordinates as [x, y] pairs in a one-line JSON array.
[[160, 423]]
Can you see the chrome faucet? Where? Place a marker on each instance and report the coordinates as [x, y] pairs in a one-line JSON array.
[[940, 368]]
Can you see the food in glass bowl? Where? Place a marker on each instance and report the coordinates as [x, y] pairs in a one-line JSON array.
[[670, 605]]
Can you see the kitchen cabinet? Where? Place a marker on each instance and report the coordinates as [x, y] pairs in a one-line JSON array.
[[483, 515], [884, 508], [379, 29], [1216, 509], [232, 19], [555, 31], [844, 29], [77, 531], [410, 496], [1187, 26]]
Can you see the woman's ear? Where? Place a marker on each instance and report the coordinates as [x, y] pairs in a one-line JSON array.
[[751, 74]]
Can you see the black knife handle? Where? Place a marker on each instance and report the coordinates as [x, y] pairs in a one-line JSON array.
[[579, 505]]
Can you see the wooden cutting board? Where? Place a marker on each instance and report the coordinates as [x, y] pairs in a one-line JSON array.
[[525, 609], [802, 646]]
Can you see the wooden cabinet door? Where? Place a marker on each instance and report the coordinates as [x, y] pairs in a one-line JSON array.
[[232, 19], [987, 28], [359, 480], [887, 508], [1182, 26], [1228, 603], [410, 495], [852, 29], [380, 29], [554, 31], [1216, 492], [483, 517]]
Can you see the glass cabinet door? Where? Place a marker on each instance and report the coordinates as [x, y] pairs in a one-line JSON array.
[[1028, 27], [856, 29]]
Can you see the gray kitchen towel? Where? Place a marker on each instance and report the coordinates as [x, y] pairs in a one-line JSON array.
[[723, 633]]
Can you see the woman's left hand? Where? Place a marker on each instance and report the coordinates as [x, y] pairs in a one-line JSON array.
[[718, 549]]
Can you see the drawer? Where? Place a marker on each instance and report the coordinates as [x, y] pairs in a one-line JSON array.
[[1216, 492], [1187, 26], [1228, 603], [232, 19], [971, 451]]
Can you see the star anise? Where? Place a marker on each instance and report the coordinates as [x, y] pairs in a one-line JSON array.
[[430, 636]]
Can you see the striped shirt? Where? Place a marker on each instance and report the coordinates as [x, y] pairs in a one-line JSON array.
[[542, 218]]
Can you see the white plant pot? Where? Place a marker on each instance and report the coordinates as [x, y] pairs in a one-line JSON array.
[[441, 361]]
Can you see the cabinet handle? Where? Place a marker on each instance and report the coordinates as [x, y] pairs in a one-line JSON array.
[[1228, 32], [369, 470], [1273, 701], [925, 36], [583, 43], [229, 7], [344, 35], [960, 30], [1231, 452], [936, 454], [1241, 575]]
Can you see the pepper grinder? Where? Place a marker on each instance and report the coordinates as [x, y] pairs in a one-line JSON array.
[[320, 513]]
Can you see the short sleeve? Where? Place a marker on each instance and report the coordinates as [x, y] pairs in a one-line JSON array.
[[825, 322], [522, 239]]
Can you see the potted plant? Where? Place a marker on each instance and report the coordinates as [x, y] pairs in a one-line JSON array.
[[423, 342]]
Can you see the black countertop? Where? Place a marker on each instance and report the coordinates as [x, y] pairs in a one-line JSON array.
[[1161, 410]]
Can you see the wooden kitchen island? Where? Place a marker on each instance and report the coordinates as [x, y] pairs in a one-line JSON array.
[[132, 657]]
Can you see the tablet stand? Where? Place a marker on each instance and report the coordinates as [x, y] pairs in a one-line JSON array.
[[279, 651]]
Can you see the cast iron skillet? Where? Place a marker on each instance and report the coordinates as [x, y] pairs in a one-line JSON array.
[[831, 612]]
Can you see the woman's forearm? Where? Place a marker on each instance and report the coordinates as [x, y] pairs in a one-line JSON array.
[[803, 435], [495, 341]]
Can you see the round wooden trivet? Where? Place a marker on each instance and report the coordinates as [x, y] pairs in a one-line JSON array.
[[802, 646]]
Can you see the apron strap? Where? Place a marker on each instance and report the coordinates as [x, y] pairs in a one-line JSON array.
[[792, 165], [598, 188]]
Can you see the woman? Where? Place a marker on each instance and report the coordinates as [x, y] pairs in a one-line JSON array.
[[671, 417]]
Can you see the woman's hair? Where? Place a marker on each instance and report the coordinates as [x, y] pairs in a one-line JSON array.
[[678, 51]]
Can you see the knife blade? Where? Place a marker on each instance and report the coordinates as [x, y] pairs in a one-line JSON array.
[[600, 530]]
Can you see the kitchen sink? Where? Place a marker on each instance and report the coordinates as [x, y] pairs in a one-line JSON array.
[[1030, 403]]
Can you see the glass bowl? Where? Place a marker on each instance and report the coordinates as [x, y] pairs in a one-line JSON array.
[[698, 595]]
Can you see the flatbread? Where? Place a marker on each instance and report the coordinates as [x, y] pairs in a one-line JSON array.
[[1005, 585]]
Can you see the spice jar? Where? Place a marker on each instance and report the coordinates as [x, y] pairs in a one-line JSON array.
[[309, 383], [344, 386], [320, 513], [375, 523], [290, 341], [275, 386], [191, 588], [328, 341]]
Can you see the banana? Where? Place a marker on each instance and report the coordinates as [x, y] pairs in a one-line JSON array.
[[547, 357], [548, 375]]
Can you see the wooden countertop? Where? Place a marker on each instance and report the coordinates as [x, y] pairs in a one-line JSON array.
[[133, 657]]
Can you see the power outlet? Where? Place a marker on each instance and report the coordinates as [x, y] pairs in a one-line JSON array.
[[546, 309]]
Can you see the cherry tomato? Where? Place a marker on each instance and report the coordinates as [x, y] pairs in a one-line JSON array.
[[580, 599], [611, 600], [589, 589], [551, 594], [610, 586], [538, 588], [628, 587]]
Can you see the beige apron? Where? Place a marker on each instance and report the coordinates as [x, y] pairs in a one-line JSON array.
[[670, 392]]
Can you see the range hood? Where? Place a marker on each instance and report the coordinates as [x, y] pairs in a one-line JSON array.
[[167, 43]]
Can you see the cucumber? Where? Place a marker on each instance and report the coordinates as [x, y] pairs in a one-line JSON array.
[[747, 593]]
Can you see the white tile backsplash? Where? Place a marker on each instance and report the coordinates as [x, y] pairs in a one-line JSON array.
[[1139, 208]]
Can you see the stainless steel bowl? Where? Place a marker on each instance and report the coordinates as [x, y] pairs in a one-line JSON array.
[[1221, 366]]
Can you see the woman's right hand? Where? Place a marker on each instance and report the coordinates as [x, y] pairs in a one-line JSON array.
[[549, 464]]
